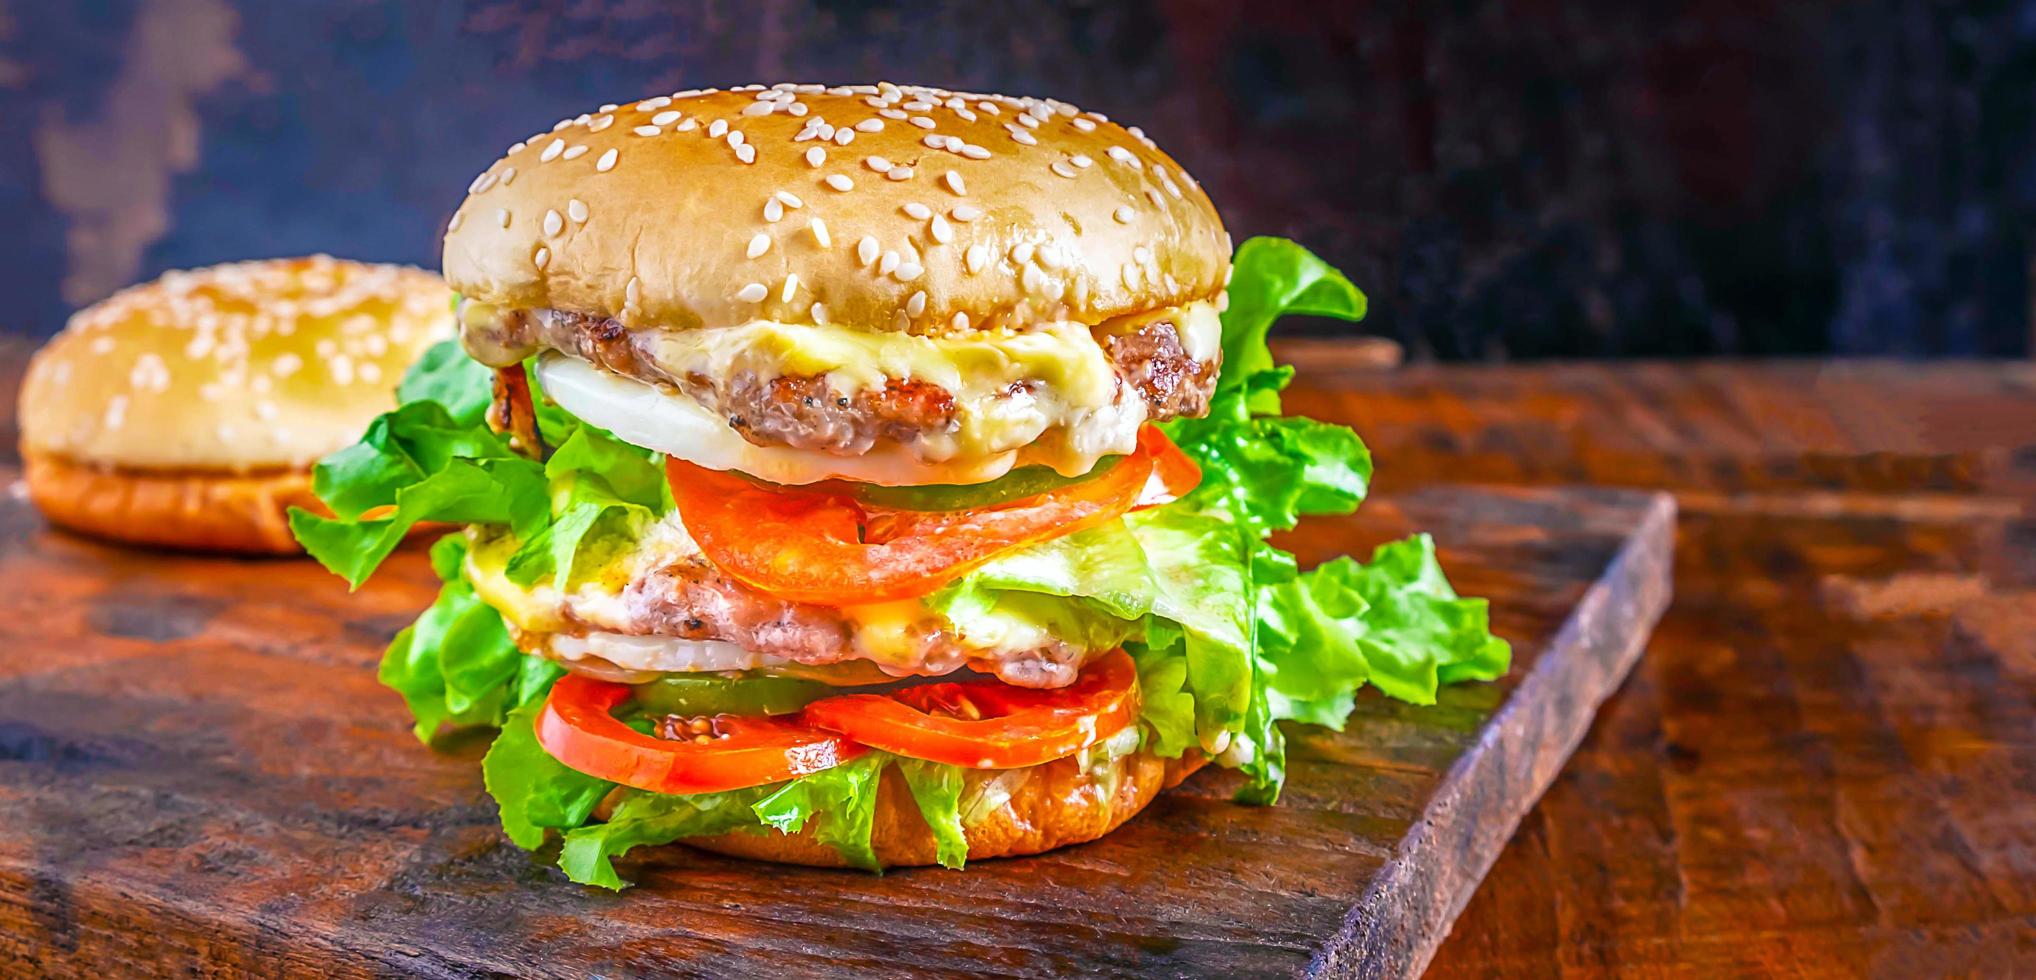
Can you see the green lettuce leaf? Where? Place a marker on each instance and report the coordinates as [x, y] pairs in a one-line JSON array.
[[1271, 278], [535, 792], [936, 789], [456, 665], [844, 799], [446, 375], [644, 819]]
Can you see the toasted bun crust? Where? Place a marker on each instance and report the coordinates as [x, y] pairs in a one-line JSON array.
[[1055, 806], [999, 210], [197, 511], [240, 368]]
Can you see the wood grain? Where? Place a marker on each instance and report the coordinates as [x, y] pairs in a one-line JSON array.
[[1824, 765], [199, 774]]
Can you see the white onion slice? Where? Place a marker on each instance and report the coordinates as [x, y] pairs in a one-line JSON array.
[[647, 416], [664, 654]]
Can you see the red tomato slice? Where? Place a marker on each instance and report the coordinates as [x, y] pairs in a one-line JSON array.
[[575, 727], [988, 724], [1174, 473], [822, 546]]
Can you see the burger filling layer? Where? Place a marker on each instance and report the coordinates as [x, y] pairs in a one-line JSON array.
[[1062, 394], [663, 607]]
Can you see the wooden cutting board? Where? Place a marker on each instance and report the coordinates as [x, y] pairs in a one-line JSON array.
[[198, 773]]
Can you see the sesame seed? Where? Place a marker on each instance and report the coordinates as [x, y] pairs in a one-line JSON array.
[[974, 152], [866, 249], [965, 212], [576, 209], [1084, 125], [736, 138], [542, 258], [607, 161], [667, 117], [819, 229], [818, 313], [977, 257], [791, 288], [1124, 156], [844, 136], [878, 164], [1143, 254], [990, 107], [1153, 196], [1028, 121], [942, 231], [1131, 275], [888, 264], [515, 148], [1122, 214], [815, 157], [908, 271], [916, 305], [840, 182], [773, 209], [960, 321], [1033, 279], [796, 108], [647, 131], [481, 183], [502, 217], [917, 210], [759, 244], [921, 121], [574, 152], [965, 114], [632, 293], [753, 292], [899, 173], [687, 126], [789, 199], [1062, 169], [759, 108], [871, 125], [746, 153], [552, 151], [1081, 161], [508, 174], [600, 123], [656, 103], [935, 141], [893, 114], [553, 223], [561, 124], [716, 128], [1024, 137], [953, 181], [1167, 182], [917, 105], [1021, 253], [1051, 257]]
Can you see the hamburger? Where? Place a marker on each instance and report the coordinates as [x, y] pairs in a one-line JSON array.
[[871, 475], [187, 412]]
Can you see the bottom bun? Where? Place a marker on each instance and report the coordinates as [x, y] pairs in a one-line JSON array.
[[1054, 804], [196, 510]]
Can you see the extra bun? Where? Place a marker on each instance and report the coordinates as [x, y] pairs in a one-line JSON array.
[[201, 512], [187, 411], [1001, 211], [1052, 805]]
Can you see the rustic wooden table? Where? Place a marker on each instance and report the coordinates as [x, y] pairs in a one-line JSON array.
[[1826, 762]]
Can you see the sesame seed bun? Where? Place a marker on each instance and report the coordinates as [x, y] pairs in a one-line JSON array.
[[188, 411], [1054, 806], [890, 208]]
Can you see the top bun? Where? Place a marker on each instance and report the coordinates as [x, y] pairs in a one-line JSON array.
[[808, 204], [242, 367]]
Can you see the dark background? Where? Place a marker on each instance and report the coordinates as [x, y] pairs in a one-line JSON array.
[[1507, 180]]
